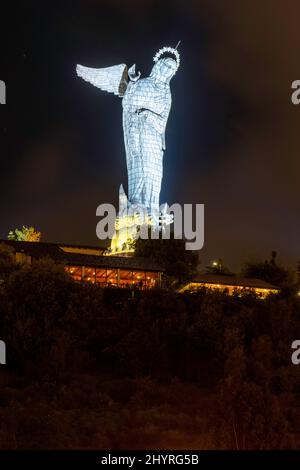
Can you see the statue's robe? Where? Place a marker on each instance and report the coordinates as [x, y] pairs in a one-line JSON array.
[[146, 107]]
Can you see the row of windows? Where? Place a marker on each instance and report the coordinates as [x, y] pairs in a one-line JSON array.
[[229, 289], [115, 277]]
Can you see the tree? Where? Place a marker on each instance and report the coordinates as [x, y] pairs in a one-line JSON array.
[[270, 271], [39, 296], [26, 234], [253, 417], [180, 264], [7, 261], [218, 267]]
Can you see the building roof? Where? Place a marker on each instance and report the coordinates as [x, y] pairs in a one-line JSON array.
[[81, 255], [232, 281]]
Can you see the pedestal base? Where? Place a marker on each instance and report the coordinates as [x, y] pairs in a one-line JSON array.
[[134, 221]]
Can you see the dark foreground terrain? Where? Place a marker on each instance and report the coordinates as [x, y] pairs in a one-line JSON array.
[[91, 368]]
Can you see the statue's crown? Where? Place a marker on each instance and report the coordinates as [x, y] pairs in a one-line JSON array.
[[168, 52]]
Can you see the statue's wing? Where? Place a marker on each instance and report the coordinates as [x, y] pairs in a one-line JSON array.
[[112, 79]]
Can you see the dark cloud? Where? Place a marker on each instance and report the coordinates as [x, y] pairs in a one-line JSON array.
[[252, 51]]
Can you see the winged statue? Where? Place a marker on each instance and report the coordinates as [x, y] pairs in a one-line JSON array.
[[146, 105]]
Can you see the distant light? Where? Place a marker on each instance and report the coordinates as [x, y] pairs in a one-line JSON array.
[[215, 263]]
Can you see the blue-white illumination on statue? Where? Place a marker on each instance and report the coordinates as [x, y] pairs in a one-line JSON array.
[[146, 106]]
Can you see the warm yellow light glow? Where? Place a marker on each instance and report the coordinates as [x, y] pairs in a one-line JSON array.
[[82, 251], [124, 231], [230, 289]]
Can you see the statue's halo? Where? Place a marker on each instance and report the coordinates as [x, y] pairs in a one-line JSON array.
[[168, 51]]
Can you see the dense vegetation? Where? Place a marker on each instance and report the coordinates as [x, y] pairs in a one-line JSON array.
[[100, 368], [180, 265]]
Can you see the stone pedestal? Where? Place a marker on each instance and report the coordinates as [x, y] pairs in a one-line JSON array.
[[134, 221]]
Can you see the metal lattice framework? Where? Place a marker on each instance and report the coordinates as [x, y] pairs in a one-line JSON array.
[[146, 106]]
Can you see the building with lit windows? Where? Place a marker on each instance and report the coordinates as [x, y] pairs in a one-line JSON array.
[[232, 285], [88, 264]]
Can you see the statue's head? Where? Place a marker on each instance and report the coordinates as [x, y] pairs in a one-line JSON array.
[[167, 61]]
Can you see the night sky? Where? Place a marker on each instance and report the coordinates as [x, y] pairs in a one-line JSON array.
[[233, 140]]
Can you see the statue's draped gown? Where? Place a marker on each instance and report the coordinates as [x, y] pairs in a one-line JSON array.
[[146, 106]]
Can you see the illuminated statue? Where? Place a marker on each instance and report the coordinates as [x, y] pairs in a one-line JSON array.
[[146, 106]]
